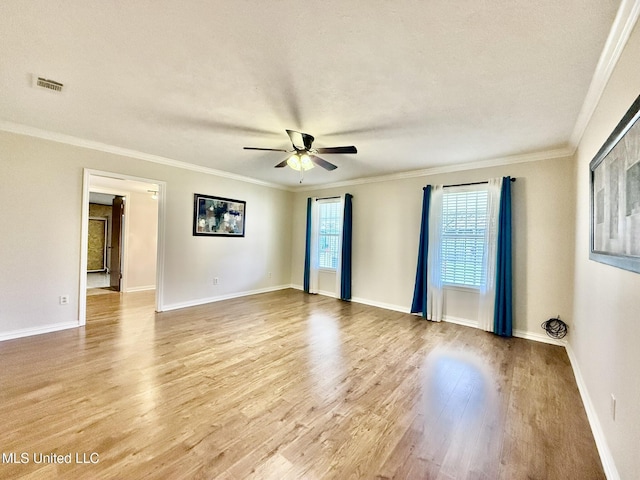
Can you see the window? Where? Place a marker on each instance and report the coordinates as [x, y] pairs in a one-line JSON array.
[[464, 221], [328, 234]]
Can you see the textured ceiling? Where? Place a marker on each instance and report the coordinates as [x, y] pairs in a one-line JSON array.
[[413, 84]]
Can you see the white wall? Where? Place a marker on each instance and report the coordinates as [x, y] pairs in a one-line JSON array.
[[605, 340], [40, 249], [141, 226], [386, 229], [141, 241], [241, 264]]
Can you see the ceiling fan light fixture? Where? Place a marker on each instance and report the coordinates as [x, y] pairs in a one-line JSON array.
[[300, 162], [304, 156], [305, 162], [294, 162]]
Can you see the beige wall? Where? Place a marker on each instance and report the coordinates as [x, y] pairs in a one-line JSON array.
[[606, 334], [386, 230], [36, 273], [141, 242], [241, 264]]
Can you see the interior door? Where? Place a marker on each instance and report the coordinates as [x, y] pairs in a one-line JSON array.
[[117, 219]]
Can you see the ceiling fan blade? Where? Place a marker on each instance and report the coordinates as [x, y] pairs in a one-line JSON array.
[[321, 162], [300, 141], [349, 149], [267, 149], [282, 164]]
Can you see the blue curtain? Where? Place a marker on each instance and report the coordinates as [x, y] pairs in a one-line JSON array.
[[307, 251], [419, 304], [345, 267], [503, 314]]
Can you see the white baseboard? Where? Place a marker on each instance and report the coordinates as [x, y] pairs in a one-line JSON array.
[[364, 301], [327, 294], [606, 457], [28, 332], [219, 298], [465, 322], [538, 337], [141, 289], [386, 306]]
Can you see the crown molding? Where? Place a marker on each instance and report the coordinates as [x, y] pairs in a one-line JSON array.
[[496, 162], [623, 25], [103, 147]]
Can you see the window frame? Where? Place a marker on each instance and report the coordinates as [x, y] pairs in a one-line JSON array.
[[321, 202], [479, 257]]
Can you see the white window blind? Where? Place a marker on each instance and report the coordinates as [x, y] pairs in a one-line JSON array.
[[464, 221], [329, 234]]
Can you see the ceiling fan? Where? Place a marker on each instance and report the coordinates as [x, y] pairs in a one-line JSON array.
[[304, 155]]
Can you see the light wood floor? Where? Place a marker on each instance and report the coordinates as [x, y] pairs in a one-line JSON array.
[[288, 386]]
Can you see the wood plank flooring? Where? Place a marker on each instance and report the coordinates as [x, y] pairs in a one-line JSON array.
[[285, 385]]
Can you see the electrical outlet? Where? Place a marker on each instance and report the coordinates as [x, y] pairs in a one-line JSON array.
[[64, 300], [216, 280], [269, 274], [613, 407]]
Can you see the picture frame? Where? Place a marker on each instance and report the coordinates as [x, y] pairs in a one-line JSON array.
[[218, 216], [615, 196]]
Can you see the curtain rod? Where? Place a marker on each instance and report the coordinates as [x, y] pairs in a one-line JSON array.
[[326, 198], [471, 183]]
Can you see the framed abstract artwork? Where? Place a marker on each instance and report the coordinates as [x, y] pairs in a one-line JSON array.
[[218, 216], [615, 195]]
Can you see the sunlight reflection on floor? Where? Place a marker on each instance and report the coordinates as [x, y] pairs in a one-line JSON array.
[[457, 388]]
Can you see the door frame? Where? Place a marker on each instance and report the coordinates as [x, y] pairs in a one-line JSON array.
[[84, 232]]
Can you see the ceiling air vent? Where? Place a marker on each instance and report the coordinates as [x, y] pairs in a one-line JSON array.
[[48, 84]]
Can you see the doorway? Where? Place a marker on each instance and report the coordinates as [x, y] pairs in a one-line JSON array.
[[105, 240], [108, 202], [122, 243]]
